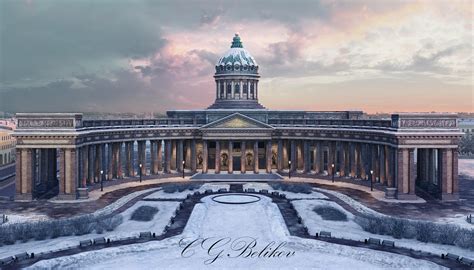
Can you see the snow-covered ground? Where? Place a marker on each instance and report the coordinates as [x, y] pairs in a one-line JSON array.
[[127, 229], [289, 195], [235, 229], [351, 230], [466, 167]]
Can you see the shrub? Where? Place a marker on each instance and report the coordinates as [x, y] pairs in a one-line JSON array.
[[330, 213], [293, 187], [180, 187], [110, 223], [423, 231], [144, 213]]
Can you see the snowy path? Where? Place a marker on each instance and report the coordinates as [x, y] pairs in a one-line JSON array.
[[260, 222]]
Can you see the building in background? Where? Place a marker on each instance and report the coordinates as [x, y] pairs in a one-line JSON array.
[[7, 146], [467, 126]]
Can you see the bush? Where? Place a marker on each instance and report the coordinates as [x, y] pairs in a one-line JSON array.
[[293, 187], [41, 230], [330, 213], [144, 213], [110, 223], [423, 231], [180, 187]]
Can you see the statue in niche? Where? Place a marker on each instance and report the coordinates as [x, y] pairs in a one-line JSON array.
[[249, 159], [274, 158], [224, 159], [199, 158]]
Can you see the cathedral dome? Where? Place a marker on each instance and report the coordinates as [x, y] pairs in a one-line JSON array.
[[236, 60]]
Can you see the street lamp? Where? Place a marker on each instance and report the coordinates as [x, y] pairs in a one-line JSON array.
[[371, 183], [183, 167], [332, 170], [101, 180], [140, 171], [289, 169]]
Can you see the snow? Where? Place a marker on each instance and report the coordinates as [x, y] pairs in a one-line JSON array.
[[127, 229], [351, 230], [466, 167], [260, 221]]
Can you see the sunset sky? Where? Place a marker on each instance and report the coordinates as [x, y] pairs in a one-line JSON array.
[[152, 56]]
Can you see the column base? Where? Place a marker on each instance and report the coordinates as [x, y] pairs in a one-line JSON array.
[[406, 196], [82, 193], [23, 197], [449, 196], [65, 196], [390, 193]]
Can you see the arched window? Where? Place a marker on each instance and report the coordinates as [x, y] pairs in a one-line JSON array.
[[1, 159]]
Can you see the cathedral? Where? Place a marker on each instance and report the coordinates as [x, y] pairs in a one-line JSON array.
[[238, 138]]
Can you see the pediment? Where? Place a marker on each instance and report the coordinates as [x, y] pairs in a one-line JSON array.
[[237, 121]]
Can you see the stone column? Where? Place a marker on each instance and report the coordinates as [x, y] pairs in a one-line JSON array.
[[217, 163], [24, 174], [381, 164], [352, 161], [167, 167], [293, 156], [331, 157], [110, 163], [68, 173], [448, 179], [299, 155], [242, 156], [231, 158], [363, 161], [90, 177], [255, 157], [159, 156], [115, 165], [129, 172], [285, 155], [268, 156], [307, 158], [98, 162], [119, 161], [85, 165], [405, 174], [188, 154], [204, 156], [319, 158], [173, 155], [142, 156], [347, 164], [373, 162], [179, 156], [388, 165], [193, 156], [280, 156], [154, 165], [343, 157]]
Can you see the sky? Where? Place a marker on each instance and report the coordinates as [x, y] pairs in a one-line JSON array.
[[153, 56]]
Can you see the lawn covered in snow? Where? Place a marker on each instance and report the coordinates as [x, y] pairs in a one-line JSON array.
[[254, 226]]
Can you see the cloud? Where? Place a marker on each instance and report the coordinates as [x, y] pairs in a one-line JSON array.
[[158, 55]]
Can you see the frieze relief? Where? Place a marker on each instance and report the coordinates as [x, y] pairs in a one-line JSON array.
[[45, 123], [445, 123]]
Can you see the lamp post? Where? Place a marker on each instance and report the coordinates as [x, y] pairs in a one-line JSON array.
[[289, 169], [332, 171], [101, 180], [371, 183], [184, 162], [140, 171]]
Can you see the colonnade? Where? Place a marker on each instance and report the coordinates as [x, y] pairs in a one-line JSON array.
[[236, 89], [40, 169]]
